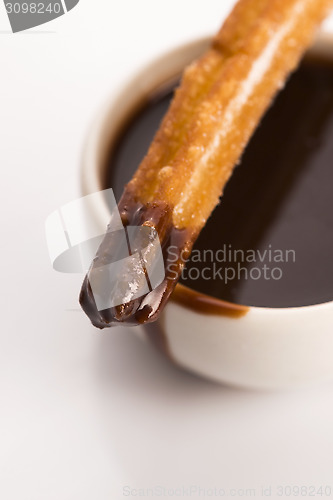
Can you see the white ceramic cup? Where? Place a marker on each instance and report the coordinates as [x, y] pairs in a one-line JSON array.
[[262, 348]]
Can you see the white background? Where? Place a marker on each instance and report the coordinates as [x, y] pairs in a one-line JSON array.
[[84, 414]]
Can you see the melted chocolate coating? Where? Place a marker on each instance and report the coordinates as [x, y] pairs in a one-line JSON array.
[[146, 308]]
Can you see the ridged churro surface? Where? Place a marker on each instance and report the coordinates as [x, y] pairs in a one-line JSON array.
[[220, 102]]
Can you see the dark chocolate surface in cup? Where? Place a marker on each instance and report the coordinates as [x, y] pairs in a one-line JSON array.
[[270, 241]]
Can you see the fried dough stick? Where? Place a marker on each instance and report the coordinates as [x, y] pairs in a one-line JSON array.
[[219, 104]]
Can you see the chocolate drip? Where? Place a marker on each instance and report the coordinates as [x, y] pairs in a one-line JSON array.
[[146, 308]]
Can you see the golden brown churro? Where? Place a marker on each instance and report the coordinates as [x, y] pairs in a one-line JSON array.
[[221, 100]]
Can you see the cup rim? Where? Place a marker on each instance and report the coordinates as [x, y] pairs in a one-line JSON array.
[[99, 137]]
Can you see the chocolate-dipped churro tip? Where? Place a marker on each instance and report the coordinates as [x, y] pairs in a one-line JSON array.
[[143, 269], [218, 105]]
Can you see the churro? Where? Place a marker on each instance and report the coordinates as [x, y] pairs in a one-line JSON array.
[[221, 100]]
